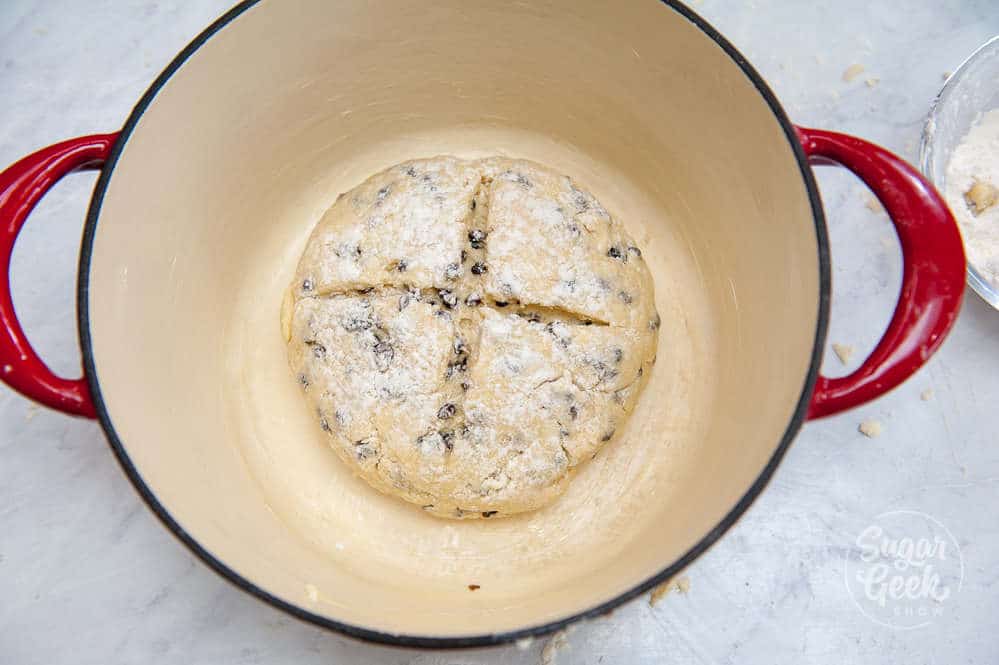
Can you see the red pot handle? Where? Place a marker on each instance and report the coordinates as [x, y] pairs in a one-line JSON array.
[[22, 185], [932, 273]]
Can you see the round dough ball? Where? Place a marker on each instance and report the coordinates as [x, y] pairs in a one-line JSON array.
[[468, 332]]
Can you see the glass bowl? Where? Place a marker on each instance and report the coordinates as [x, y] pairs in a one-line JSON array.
[[971, 91]]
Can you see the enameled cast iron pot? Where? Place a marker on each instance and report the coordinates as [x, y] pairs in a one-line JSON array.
[[203, 205]]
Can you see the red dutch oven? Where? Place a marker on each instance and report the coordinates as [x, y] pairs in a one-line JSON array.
[[202, 208]]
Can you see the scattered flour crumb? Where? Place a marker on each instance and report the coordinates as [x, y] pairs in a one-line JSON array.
[[659, 592], [852, 72], [887, 242], [524, 643], [556, 643], [926, 395], [873, 81], [872, 203], [843, 351], [870, 428], [980, 197], [679, 584], [32, 411], [312, 593]]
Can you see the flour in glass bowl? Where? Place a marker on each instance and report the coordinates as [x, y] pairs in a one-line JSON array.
[[972, 182]]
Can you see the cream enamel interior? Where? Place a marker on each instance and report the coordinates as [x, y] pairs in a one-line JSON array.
[[207, 212]]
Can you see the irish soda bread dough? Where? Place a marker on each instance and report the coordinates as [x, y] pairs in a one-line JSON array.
[[469, 331]]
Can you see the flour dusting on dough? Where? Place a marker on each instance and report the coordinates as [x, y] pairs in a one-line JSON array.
[[468, 332]]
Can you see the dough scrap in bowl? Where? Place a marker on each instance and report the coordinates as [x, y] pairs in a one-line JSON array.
[[468, 332]]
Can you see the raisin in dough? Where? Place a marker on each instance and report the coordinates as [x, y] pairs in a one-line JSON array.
[[468, 332]]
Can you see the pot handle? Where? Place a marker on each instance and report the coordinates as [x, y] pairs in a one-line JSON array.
[[22, 185], [933, 269]]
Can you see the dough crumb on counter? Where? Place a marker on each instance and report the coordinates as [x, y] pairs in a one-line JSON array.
[[926, 395], [852, 72], [843, 351], [659, 592], [873, 81], [872, 203], [679, 584], [870, 428], [980, 197], [557, 642]]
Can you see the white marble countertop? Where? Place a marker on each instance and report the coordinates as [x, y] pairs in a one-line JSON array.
[[87, 574]]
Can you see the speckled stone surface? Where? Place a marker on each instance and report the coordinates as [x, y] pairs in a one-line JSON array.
[[87, 575]]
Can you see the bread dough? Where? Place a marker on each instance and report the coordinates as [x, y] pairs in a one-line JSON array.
[[468, 332]]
